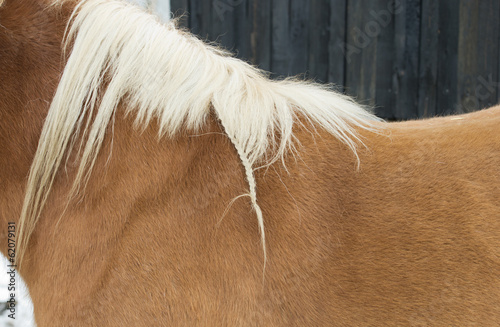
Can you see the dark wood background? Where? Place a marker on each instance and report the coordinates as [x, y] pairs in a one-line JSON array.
[[408, 58]]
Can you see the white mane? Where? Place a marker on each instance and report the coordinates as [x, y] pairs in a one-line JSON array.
[[171, 76]]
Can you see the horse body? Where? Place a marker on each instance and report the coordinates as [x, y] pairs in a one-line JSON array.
[[411, 237], [376, 246]]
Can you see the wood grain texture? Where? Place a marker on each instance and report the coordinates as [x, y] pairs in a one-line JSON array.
[[477, 60], [361, 53], [406, 69], [261, 33], [319, 38], [428, 59], [336, 45], [180, 10], [447, 92], [280, 45], [406, 58]]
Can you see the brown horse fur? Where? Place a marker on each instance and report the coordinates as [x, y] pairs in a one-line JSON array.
[[412, 238]]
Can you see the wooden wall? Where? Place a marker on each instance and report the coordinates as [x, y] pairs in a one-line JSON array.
[[408, 58]]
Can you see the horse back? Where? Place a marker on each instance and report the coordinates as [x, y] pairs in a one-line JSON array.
[[412, 236], [422, 217]]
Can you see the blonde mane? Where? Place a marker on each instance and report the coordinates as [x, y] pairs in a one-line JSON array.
[[170, 76]]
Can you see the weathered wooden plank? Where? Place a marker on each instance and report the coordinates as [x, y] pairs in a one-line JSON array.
[[467, 56], [381, 25], [430, 57], [201, 19], [180, 10], [280, 46], [243, 27], [368, 45], [360, 77], [261, 38], [337, 43], [447, 91], [299, 37], [477, 59], [319, 37], [406, 69], [223, 22], [488, 48], [428, 67], [195, 17], [498, 61]]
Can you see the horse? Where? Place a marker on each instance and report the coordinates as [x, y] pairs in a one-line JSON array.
[[150, 179]]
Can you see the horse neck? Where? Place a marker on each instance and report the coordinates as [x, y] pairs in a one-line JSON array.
[[143, 192], [164, 205], [30, 62]]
